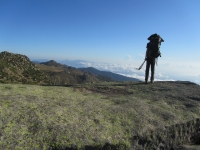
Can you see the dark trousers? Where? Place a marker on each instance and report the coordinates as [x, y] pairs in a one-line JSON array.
[[150, 62]]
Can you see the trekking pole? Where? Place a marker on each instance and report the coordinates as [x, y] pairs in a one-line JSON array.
[[141, 65]]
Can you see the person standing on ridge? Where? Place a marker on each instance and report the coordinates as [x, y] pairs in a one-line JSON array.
[[152, 53]]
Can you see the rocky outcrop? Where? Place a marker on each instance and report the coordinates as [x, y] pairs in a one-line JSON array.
[[20, 61]]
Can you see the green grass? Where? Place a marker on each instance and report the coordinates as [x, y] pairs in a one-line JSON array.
[[44, 117]]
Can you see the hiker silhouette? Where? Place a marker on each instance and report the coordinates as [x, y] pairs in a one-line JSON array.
[[152, 53]]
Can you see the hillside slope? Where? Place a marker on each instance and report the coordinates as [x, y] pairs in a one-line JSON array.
[[16, 68], [106, 116]]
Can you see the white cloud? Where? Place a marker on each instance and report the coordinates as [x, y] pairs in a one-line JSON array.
[[165, 80], [128, 70], [160, 75], [141, 55], [194, 75], [128, 57], [88, 64], [140, 77]]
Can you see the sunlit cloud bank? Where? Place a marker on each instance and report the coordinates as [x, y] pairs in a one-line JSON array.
[[164, 71], [157, 77], [110, 67], [128, 70]]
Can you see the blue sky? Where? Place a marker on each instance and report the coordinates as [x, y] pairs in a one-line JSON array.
[[106, 31]]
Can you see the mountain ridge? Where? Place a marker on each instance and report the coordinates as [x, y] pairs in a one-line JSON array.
[[63, 74], [114, 76]]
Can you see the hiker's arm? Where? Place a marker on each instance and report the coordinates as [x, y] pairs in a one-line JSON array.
[[146, 54], [146, 51]]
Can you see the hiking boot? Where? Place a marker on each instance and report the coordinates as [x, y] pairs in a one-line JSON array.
[[146, 82], [152, 81]]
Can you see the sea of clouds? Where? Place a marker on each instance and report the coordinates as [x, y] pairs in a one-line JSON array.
[[128, 70]]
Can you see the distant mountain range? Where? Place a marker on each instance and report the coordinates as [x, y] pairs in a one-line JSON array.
[[17, 68], [113, 76], [63, 74], [101, 74]]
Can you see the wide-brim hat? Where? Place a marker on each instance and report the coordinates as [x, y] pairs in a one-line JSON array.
[[155, 36]]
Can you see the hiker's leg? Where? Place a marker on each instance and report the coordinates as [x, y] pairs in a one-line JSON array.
[[147, 70], [152, 70]]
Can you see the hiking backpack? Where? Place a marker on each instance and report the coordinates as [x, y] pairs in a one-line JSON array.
[[154, 46]]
